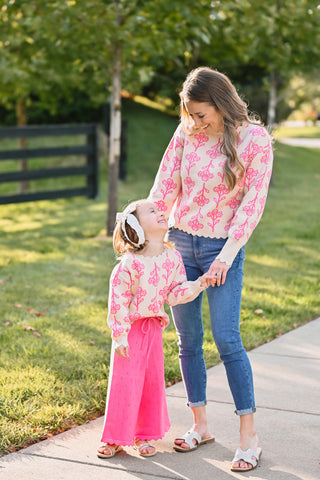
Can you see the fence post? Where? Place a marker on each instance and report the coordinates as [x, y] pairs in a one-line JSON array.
[[92, 163]]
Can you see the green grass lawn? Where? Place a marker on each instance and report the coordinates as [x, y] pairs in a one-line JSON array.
[[54, 270], [300, 132]]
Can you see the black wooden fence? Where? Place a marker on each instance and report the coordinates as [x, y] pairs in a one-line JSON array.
[[89, 149]]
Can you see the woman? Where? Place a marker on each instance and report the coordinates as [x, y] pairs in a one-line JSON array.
[[213, 181]]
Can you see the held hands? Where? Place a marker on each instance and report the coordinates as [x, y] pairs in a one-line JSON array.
[[205, 280], [216, 275], [122, 351]]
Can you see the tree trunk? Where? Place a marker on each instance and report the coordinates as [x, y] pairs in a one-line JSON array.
[[272, 101], [114, 140], [22, 121]]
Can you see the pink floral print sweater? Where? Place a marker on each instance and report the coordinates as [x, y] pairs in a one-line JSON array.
[[140, 285], [190, 183]]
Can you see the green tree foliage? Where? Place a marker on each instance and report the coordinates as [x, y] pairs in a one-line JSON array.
[[279, 37], [34, 61], [91, 45], [49, 48]]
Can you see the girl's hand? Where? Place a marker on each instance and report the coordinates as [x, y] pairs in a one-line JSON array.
[[218, 273], [122, 351], [206, 280]]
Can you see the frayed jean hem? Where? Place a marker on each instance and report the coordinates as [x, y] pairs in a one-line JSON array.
[[245, 412], [197, 404]]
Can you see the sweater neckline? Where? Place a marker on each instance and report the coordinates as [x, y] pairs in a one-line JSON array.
[[153, 256]]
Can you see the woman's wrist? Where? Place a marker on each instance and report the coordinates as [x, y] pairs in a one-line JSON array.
[[229, 251]]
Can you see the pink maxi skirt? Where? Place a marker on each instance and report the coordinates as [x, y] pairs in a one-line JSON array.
[[136, 406]]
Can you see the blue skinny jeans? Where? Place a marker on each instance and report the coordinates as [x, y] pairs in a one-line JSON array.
[[224, 304]]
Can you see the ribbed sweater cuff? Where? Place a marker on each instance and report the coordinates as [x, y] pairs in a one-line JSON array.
[[198, 287], [229, 251]]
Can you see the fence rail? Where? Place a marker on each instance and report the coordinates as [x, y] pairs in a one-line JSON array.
[[89, 149]]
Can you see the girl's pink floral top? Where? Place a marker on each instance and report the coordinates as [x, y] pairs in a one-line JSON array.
[[191, 185], [140, 285]]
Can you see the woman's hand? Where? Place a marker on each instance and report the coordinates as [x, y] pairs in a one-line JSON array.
[[218, 273], [122, 351]]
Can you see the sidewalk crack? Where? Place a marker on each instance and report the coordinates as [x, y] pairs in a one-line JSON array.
[[286, 355]]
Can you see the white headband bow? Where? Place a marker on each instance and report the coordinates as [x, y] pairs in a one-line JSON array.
[[127, 216]]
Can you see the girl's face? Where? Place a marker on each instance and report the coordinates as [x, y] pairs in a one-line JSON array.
[[151, 219], [205, 117]]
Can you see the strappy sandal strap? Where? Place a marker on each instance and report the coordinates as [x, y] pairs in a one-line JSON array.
[[246, 456], [143, 446], [188, 438], [113, 449]]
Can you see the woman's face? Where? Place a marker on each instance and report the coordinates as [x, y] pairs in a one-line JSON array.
[[205, 117]]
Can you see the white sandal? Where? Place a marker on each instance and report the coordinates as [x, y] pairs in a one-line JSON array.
[[188, 438], [248, 456], [142, 446], [113, 449]]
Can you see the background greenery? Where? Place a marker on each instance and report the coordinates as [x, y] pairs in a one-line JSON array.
[[57, 54], [55, 263], [300, 132]]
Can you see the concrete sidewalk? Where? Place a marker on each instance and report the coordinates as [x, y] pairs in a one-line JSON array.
[[301, 142], [287, 383]]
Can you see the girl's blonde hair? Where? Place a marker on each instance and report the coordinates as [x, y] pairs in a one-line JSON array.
[[123, 244], [205, 85]]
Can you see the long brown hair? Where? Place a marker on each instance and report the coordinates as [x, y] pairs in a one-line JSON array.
[[205, 85]]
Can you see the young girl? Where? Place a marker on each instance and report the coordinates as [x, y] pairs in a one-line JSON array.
[[149, 274]]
